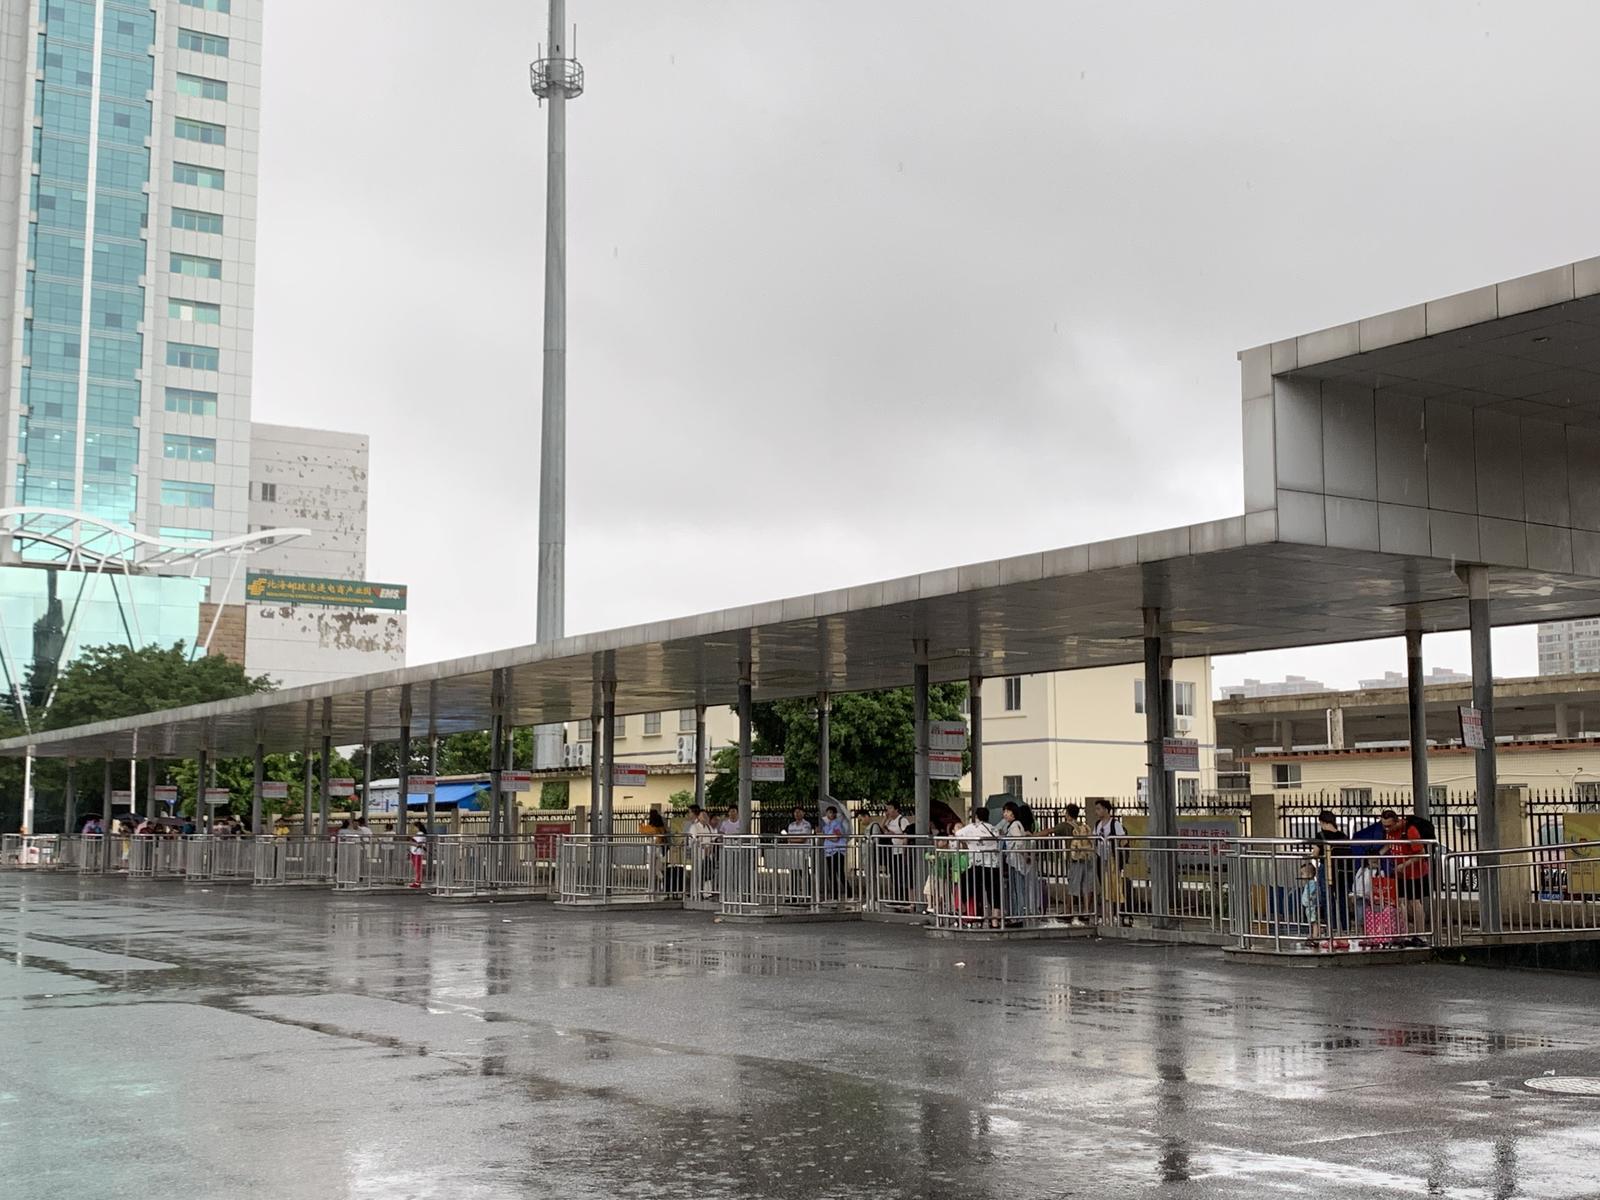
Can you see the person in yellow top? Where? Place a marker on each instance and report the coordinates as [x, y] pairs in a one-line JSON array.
[[1081, 872], [654, 826]]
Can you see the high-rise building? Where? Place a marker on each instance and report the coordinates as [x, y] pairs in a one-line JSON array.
[[1397, 679], [128, 157], [1569, 647], [1289, 685]]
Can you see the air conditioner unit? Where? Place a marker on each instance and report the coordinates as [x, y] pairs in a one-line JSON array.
[[685, 748], [575, 754], [1183, 724]]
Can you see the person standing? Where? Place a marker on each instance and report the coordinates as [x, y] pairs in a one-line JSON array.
[[834, 835], [701, 842], [1407, 848], [1080, 864], [1337, 866], [898, 828], [1111, 850], [418, 853], [980, 883], [799, 829]]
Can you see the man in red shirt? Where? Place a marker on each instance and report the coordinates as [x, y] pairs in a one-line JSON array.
[[1413, 871]]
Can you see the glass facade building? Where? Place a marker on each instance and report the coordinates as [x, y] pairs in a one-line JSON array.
[[128, 297]]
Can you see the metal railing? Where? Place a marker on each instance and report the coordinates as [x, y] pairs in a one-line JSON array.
[[775, 876], [156, 857], [363, 864], [896, 871], [213, 857], [1291, 898], [471, 866], [27, 852], [1529, 893], [616, 868], [281, 861]]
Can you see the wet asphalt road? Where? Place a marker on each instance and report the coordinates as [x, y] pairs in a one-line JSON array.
[[158, 1040]]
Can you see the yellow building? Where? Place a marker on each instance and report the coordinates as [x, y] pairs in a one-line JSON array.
[[1062, 735], [1360, 776]]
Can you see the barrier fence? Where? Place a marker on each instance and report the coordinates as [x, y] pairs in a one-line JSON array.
[[457, 866], [774, 876], [1530, 893], [621, 868]]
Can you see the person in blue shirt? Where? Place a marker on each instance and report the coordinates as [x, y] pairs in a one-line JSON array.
[[834, 833]]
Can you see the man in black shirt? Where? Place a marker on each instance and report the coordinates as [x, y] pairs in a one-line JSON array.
[[1338, 863]]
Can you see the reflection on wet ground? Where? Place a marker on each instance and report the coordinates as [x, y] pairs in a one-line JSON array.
[[229, 1043]]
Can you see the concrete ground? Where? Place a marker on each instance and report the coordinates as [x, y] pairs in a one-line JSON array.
[[163, 1040]]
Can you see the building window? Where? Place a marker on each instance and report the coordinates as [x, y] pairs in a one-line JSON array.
[[196, 266], [184, 448], [269, 492], [1013, 701], [1011, 785], [196, 358], [216, 6], [202, 43], [1188, 790], [686, 720], [1138, 695], [195, 221], [652, 723], [621, 723], [188, 400], [202, 88], [1285, 775], [197, 176], [1357, 798], [188, 495], [190, 130], [201, 312], [586, 731], [1182, 699]]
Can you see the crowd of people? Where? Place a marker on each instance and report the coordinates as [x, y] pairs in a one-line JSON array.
[[1372, 883]]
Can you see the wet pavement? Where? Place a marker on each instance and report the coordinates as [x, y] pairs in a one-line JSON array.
[[163, 1040]]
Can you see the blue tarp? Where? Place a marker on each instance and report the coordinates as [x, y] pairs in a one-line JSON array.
[[469, 796]]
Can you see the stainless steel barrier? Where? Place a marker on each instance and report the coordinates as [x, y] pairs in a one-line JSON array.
[[1292, 897], [1012, 882], [897, 874], [617, 868], [211, 857], [791, 875], [371, 863], [702, 885], [1164, 883], [29, 852], [510, 865], [282, 861], [1534, 893]]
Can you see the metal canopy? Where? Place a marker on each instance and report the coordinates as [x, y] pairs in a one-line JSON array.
[[1354, 528], [1221, 589]]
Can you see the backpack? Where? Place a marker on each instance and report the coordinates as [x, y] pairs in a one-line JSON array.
[[1424, 828]]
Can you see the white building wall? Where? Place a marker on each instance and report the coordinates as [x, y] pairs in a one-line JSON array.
[[296, 644], [312, 479]]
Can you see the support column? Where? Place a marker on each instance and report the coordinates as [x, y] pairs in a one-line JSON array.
[[305, 781], [366, 756], [1563, 728], [700, 755], [596, 755], [1477, 580], [745, 803], [151, 808], [105, 803], [1154, 724], [202, 819], [974, 736], [923, 788], [69, 800], [1417, 708], [429, 809], [327, 766], [402, 795], [497, 748], [260, 777], [824, 752], [608, 715]]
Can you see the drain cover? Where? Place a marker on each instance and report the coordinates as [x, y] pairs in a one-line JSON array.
[[1565, 1085]]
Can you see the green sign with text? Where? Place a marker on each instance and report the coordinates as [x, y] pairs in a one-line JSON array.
[[342, 593]]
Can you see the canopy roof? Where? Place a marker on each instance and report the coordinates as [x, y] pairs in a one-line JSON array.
[[1346, 537]]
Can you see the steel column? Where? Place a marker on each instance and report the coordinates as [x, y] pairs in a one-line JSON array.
[[1477, 580], [150, 806], [429, 809], [497, 748], [596, 754], [105, 800], [608, 715], [202, 820], [366, 756], [746, 804], [260, 777], [402, 796], [923, 791], [1417, 709], [327, 764], [1154, 725], [974, 736], [69, 799], [305, 781], [824, 752], [700, 755]]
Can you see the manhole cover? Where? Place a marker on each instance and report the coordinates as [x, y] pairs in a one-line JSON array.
[[1565, 1085]]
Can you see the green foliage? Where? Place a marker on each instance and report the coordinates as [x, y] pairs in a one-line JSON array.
[[872, 741], [681, 800], [555, 793]]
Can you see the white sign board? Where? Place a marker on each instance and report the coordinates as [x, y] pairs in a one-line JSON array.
[[218, 796], [947, 735], [274, 789], [1471, 728], [166, 793], [944, 764], [766, 768], [341, 787], [628, 775], [1180, 754], [516, 781], [121, 796], [422, 785]]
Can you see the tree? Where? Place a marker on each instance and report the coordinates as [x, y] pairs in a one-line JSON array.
[[872, 759], [102, 683]]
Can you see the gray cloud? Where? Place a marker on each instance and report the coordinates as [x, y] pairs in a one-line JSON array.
[[839, 267]]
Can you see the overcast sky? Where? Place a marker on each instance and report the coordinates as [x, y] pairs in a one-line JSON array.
[[865, 288]]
